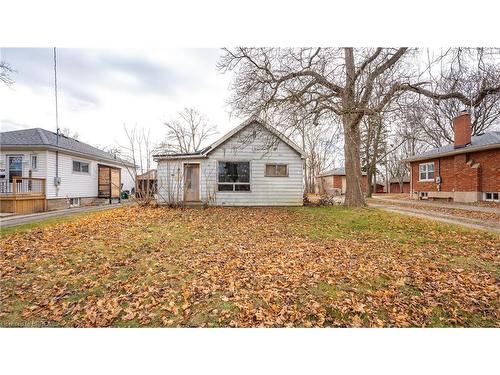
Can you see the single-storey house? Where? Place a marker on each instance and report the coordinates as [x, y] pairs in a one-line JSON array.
[[41, 170], [466, 171], [252, 165], [334, 181], [399, 185]]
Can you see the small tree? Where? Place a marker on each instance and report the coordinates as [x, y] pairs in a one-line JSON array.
[[139, 152], [188, 132]]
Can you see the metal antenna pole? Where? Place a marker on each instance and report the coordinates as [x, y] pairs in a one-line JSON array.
[[55, 93], [56, 180]]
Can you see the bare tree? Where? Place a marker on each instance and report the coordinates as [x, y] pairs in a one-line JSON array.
[[188, 132], [67, 132], [5, 73], [318, 141], [373, 146], [138, 151], [340, 82]]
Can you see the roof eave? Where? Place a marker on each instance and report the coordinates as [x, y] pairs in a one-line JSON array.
[[452, 152], [175, 157], [67, 151]]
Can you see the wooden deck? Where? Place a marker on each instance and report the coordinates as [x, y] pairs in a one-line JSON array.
[[24, 195]]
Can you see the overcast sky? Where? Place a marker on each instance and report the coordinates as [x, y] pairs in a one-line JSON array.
[[100, 90]]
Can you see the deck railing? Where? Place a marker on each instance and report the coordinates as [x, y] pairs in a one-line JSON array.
[[24, 186]]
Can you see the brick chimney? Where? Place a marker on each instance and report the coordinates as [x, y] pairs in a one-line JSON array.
[[462, 129]]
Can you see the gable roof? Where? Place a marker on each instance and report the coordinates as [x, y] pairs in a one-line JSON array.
[[336, 172], [252, 120], [481, 142], [42, 138]]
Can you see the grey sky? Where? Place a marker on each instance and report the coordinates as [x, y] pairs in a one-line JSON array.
[[100, 90]]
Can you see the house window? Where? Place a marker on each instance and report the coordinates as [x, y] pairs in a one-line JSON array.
[[81, 167], [276, 170], [493, 197], [426, 172], [74, 202], [34, 162], [15, 164], [234, 176]]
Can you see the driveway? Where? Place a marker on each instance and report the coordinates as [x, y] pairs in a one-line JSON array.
[[476, 217], [9, 221]]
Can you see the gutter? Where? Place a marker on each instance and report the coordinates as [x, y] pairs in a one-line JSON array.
[[67, 151], [177, 157], [453, 152]]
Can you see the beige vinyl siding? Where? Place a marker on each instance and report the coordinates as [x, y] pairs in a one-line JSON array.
[[39, 172], [264, 191], [170, 179]]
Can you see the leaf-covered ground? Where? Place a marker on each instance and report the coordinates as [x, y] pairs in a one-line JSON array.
[[249, 267]]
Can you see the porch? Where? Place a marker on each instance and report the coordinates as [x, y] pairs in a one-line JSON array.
[[24, 195]]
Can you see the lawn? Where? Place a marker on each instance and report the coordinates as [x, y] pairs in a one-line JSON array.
[[248, 267]]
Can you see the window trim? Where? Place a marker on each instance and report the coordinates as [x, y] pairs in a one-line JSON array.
[[81, 162], [492, 199], [31, 162], [249, 183], [276, 170], [426, 172], [78, 199]]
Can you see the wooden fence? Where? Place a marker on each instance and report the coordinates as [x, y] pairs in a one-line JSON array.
[[24, 195]]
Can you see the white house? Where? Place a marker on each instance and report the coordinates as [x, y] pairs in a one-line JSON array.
[[253, 165], [65, 171]]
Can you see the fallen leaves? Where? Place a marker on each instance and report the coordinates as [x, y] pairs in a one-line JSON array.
[[249, 267]]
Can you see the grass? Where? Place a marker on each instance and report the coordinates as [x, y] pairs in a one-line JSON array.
[[39, 224], [219, 267]]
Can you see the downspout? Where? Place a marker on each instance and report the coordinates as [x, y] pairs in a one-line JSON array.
[[411, 182], [56, 180], [439, 175]]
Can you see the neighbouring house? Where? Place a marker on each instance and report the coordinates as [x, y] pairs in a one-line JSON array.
[[40, 170], [466, 171], [379, 188], [146, 184], [399, 185], [334, 182], [253, 165]]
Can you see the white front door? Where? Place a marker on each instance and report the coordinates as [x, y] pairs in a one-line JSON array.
[[344, 184]]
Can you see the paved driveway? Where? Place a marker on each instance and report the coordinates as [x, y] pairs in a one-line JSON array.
[[476, 217], [10, 221]]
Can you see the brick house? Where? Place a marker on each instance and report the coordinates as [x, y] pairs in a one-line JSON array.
[[466, 171], [335, 181]]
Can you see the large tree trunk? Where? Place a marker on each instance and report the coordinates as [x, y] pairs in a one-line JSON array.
[[352, 137], [353, 195]]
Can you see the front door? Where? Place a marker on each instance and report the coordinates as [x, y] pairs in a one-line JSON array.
[[191, 182], [15, 167]]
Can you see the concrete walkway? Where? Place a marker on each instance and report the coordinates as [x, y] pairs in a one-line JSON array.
[[458, 206], [10, 221], [449, 219]]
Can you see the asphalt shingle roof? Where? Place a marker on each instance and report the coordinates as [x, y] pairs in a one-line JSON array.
[[336, 172], [42, 137], [477, 142]]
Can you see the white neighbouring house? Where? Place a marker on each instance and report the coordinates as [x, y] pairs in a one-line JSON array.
[[85, 174], [253, 165]]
